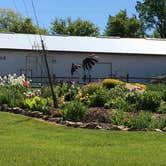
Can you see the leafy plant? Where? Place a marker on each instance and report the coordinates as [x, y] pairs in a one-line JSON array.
[[91, 88], [162, 108], [140, 121], [158, 123], [99, 98], [39, 104], [150, 101], [73, 110], [117, 117], [119, 91]]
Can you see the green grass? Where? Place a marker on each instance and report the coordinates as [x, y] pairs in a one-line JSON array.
[[24, 141]]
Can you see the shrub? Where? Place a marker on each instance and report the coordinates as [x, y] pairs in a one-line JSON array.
[[133, 97], [91, 88], [39, 104], [156, 87], [46, 92], [120, 104], [111, 83], [163, 95], [117, 117], [140, 121], [3, 98], [99, 98], [158, 123], [150, 101], [162, 108], [119, 91], [73, 110]]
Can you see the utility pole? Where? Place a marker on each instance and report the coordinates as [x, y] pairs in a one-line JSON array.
[[49, 75]]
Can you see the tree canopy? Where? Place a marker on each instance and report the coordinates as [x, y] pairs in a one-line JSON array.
[[78, 27], [123, 26], [153, 14], [10, 21]]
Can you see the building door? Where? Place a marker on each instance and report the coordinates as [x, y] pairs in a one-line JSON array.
[[102, 70]]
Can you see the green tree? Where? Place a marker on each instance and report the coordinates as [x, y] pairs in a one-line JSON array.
[[74, 28], [153, 14], [8, 17], [10, 21], [26, 26], [123, 26]]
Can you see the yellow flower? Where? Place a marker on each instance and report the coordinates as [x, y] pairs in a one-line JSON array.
[[63, 99]]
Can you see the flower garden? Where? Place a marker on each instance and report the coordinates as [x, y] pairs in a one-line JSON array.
[[110, 104]]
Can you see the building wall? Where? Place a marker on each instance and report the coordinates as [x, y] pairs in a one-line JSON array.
[[60, 64]]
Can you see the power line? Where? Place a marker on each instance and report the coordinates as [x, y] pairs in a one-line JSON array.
[[45, 58], [26, 9]]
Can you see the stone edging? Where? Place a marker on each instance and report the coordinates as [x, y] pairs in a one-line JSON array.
[[59, 120]]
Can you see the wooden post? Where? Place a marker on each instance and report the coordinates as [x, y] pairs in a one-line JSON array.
[[127, 78]]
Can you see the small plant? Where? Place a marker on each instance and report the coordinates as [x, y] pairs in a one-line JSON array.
[[158, 123], [73, 110], [119, 91], [117, 117], [99, 98], [111, 83], [156, 87], [150, 101], [140, 121], [39, 104], [91, 88], [162, 108]]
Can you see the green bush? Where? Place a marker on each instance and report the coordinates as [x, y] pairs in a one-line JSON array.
[[133, 97], [163, 93], [3, 98], [73, 110], [162, 108], [39, 104], [120, 104], [91, 88], [156, 87], [140, 121], [117, 117], [158, 123], [99, 98], [119, 91], [12, 95], [46, 92], [150, 101]]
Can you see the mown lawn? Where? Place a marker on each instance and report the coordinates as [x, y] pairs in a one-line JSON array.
[[24, 141]]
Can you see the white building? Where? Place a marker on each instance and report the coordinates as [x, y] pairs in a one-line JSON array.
[[117, 56]]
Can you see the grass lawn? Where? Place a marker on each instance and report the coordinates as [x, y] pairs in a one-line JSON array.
[[24, 141]]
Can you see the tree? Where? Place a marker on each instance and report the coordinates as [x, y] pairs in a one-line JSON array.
[[123, 26], [74, 28], [26, 26], [7, 18], [10, 21], [153, 14]]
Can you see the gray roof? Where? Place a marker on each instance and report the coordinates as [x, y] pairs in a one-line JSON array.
[[84, 44]]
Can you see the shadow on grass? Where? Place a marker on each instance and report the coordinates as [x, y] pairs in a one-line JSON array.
[[19, 121]]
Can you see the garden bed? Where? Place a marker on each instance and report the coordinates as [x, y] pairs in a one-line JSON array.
[[110, 105]]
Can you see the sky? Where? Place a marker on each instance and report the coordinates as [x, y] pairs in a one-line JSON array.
[[96, 11]]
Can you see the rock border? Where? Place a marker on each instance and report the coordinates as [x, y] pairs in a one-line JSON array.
[[61, 121]]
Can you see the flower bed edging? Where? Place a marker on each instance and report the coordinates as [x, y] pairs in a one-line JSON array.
[[59, 120]]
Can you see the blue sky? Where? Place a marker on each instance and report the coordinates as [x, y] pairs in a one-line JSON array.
[[96, 11]]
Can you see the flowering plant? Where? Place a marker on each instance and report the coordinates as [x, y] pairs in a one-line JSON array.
[[14, 80]]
